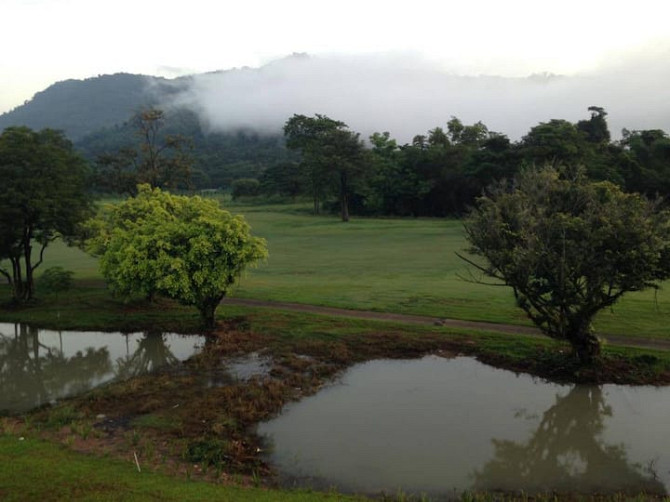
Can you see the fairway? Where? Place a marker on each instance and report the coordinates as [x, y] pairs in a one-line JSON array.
[[393, 265]]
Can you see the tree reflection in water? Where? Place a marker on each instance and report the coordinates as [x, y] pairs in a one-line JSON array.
[[32, 373], [151, 353], [566, 453]]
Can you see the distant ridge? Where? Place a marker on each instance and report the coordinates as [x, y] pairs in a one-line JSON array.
[[81, 107]]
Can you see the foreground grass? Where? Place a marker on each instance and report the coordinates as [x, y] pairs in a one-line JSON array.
[[38, 470], [389, 265]]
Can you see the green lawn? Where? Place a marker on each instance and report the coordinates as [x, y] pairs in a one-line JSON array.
[[395, 265], [36, 470]]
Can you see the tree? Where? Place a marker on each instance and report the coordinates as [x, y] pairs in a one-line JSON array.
[[284, 179], [595, 129], [569, 248], [649, 154], [557, 141], [161, 160], [245, 187], [43, 197], [331, 153], [185, 248]]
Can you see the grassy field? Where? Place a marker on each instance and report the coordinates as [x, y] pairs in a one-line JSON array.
[[37, 470], [392, 265]]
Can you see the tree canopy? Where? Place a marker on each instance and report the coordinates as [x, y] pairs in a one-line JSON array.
[[332, 155], [185, 248], [160, 160], [43, 197], [569, 248]]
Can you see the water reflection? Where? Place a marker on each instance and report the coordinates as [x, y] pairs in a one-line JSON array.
[[151, 353], [40, 366], [443, 426], [567, 453], [32, 373]]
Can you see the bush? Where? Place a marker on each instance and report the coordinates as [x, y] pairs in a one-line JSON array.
[[55, 279], [246, 187]]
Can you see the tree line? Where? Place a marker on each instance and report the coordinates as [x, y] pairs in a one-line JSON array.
[[442, 172], [562, 216]]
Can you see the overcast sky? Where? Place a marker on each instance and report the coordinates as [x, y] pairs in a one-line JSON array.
[[45, 41]]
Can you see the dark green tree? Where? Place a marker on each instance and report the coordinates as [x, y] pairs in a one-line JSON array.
[[43, 197], [495, 159], [245, 187], [595, 129], [648, 152], [396, 186], [332, 155], [556, 142], [160, 160], [284, 179], [569, 248]]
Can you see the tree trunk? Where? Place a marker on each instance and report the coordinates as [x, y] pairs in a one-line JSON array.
[[207, 310], [30, 284], [585, 344], [344, 202], [344, 197]]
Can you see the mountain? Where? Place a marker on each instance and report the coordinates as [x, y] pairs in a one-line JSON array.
[[94, 114], [81, 107]]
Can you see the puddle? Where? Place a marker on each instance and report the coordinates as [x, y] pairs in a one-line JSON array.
[[441, 426], [237, 369], [248, 366], [41, 366]]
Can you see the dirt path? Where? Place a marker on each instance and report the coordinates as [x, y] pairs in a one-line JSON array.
[[647, 343]]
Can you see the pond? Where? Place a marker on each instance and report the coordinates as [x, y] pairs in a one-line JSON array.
[[441, 426], [40, 366]]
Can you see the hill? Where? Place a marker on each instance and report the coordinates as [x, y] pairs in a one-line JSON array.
[[94, 113], [81, 107]]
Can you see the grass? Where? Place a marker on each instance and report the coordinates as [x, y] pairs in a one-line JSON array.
[[391, 265], [37, 470]]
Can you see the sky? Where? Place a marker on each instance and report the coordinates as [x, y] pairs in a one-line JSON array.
[[45, 41]]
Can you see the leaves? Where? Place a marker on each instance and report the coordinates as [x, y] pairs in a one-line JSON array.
[[569, 247], [43, 197], [186, 248]]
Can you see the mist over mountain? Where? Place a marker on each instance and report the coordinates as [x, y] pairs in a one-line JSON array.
[[400, 94], [407, 96]]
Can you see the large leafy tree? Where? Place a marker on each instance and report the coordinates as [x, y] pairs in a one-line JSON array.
[[569, 248], [43, 197], [331, 155], [185, 248]]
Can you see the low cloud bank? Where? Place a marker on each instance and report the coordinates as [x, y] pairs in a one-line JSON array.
[[407, 96]]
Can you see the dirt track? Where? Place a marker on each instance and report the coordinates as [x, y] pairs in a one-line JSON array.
[[648, 343]]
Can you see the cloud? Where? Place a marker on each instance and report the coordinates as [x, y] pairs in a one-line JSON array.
[[406, 95]]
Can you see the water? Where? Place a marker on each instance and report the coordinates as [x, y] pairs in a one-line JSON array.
[[40, 366], [441, 426]]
